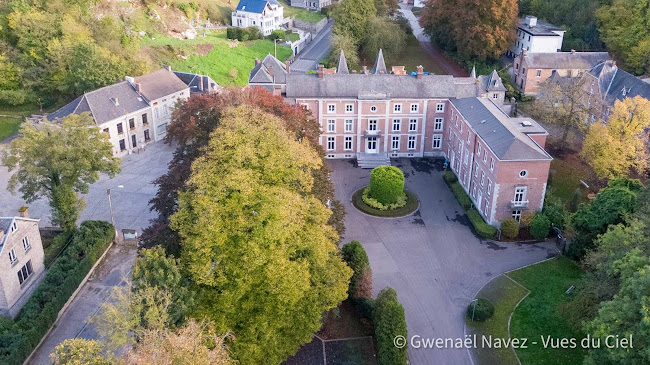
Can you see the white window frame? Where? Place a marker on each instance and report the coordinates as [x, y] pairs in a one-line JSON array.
[[523, 174], [412, 139], [491, 164], [440, 107], [438, 123], [516, 215], [438, 138], [373, 108], [331, 108], [397, 123], [394, 143], [349, 108], [331, 140], [12, 257], [305, 105], [520, 194], [482, 178], [331, 125], [488, 190], [486, 209], [347, 141], [413, 125], [372, 124], [14, 227], [485, 157], [349, 126], [415, 108], [461, 128], [476, 170], [469, 137], [26, 244], [397, 108]]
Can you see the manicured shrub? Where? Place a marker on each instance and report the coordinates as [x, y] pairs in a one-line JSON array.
[[462, 197], [277, 34], [62, 279], [243, 34], [480, 310], [510, 228], [363, 284], [483, 229], [374, 203], [540, 226], [449, 177], [386, 184], [357, 259], [390, 321], [555, 211]]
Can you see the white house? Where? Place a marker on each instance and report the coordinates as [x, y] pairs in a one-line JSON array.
[[267, 15], [537, 36]]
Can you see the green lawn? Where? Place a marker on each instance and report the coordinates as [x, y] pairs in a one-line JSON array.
[[9, 127], [228, 63], [292, 37], [540, 313], [302, 14], [413, 56], [504, 294]]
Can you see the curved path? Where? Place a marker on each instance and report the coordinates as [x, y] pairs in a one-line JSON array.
[[431, 258]]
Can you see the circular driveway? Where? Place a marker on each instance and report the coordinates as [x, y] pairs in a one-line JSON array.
[[431, 258]]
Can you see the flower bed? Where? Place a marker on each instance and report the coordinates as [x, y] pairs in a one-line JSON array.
[[409, 207]]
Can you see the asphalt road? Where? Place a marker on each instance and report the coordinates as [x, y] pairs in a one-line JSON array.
[[430, 258], [308, 59]]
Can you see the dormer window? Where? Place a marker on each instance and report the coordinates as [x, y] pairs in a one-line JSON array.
[[115, 101]]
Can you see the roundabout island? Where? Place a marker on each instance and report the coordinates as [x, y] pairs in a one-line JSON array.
[[385, 196]]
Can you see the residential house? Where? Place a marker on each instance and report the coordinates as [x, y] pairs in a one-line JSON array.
[[530, 69], [537, 36], [133, 112], [311, 4], [270, 74], [267, 15], [198, 84], [21, 262], [377, 115], [606, 83]]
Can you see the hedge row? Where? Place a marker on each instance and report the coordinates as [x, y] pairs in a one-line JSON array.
[[18, 338], [243, 34], [483, 229], [390, 322]]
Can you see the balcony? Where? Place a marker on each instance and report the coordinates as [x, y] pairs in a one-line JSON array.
[[523, 204], [372, 133]]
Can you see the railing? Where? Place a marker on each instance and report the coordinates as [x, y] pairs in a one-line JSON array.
[[373, 132], [523, 204]]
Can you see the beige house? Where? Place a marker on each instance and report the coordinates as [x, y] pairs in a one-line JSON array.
[[21, 262]]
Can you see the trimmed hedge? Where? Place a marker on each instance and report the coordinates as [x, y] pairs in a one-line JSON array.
[[540, 226], [510, 228], [483, 229], [243, 34], [386, 184], [355, 256], [390, 321], [484, 309], [462, 197], [412, 204], [374, 203], [18, 338]]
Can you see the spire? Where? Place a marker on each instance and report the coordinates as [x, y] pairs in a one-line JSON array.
[[380, 65], [342, 67], [473, 73]]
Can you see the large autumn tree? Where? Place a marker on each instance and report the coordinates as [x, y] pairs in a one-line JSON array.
[[620, 146], [59, 162], [256, 241], [192, 123], [475, 29]]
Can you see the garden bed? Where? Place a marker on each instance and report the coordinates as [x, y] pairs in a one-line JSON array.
[[481, 228], [412, 204]]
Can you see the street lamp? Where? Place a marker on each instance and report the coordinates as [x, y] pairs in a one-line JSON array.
[[474, 310], [275, 42]]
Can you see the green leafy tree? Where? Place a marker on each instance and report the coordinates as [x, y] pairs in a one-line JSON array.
[[59, 162], [344, 41], [510, 228], [386, 184], [384, 34], [540, 226], [353, 17], [555, 211], [257, 243], [390, 321], [78, 351], [625, 30], [357, 259]]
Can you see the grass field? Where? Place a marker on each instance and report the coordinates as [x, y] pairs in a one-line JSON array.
[[540, 313], [228, 63], [9, 127], [414, 56], [302, 14]]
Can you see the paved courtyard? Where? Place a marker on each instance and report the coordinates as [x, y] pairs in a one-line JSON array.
[[430, 258]]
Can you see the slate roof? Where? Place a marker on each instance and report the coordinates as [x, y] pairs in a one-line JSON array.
[[255, 6], [342, 66], [193, 81], [505, 136], [616, 84], [492, 82], [542, 28], [379, 86], [5, 223], [565, 60], [262, 74], [380, 65], [101, 107], [159, 83]]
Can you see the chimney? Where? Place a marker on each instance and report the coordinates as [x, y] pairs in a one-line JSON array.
[[365, 70], [573, 51], [257, 61], [320, 71], [523, 52], [138, 87], [398, 70], [419, 72], [287, 66], [201, 82], [168, 68], [531, 21], [271, 71], [23, 212]]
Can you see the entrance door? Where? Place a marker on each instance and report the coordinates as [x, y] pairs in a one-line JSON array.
[[372, 145], [133, 141]]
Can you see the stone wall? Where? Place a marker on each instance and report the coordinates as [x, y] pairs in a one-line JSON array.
[[312, 28]]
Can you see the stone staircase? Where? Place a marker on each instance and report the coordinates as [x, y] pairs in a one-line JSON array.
[[372, 160]]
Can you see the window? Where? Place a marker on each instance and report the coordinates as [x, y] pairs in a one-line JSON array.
[[331, 143], [437, 141], [25, 272], [26, 244], [482, 178], [469, 137], [413, 125], [396, 125], [156, 113], [538, 73], [349, 108], [305, 105], [348, 125], [122, 145], [486, 210], [119, 128], [411, 145], [372, 125], [495, 96], [348, 143], [12, 257], [331, 108], [461, 128], [476, 170], [132, 123], [14, 227], [520, 194], [437, 124], [144, 119], [485, 157], [516, 215], [478, 150], [331, 125], [414, 108], [523, 173], [394, 145], [474, 192], [373, 108], [489, 187], [162, 128], [440, 107], [397, 108], [491, 164], [466, 157], [107, 132]]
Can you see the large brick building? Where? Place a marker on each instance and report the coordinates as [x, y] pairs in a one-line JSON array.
[[375, 115]]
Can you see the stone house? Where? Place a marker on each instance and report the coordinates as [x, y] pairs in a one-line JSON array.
[[311, 4], [21, 262], [267, 15]]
